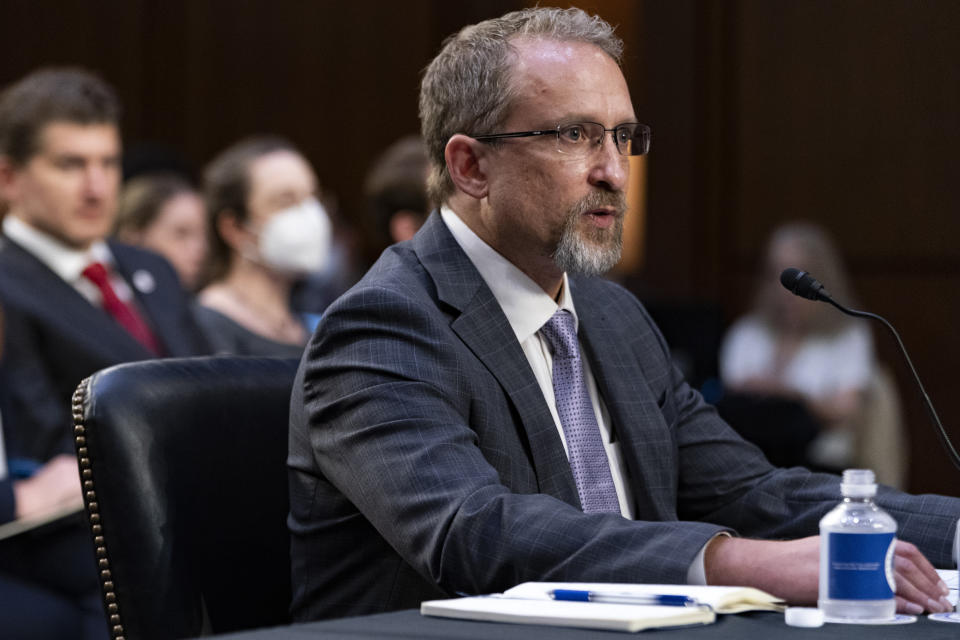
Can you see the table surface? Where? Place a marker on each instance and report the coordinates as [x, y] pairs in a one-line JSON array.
[[759, 625]]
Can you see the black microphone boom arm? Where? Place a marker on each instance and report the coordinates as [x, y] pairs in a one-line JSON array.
[[804, 285]]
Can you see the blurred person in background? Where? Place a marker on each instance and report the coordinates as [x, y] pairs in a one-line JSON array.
[[75, 302], [164, 213], [40, 593], [796, 348], [396, 191], [313, 293], [266, 230], [396, 203]]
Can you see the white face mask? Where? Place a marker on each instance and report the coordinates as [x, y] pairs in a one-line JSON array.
[[297, 240]]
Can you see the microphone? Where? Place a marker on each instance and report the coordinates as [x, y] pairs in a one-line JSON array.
[[803, 284]]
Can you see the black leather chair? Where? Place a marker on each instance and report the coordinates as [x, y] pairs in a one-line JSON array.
[[183, 463]]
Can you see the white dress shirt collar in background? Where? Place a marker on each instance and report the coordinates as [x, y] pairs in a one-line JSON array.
[[65, 261]]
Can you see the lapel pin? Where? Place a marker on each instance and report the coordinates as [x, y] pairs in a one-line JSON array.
[[143, 281]]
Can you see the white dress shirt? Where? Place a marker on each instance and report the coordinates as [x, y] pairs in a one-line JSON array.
[[528, 307], [821, 366]]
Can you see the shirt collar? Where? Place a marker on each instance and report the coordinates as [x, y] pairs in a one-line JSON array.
[[65, 261], [525, 304]]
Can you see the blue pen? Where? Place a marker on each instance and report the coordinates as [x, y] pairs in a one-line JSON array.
[[576, 595]]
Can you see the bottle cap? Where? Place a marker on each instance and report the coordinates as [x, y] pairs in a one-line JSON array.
[[858, 483], [803, 617]]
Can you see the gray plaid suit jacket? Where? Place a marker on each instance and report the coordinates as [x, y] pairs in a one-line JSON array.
[[424, 461]]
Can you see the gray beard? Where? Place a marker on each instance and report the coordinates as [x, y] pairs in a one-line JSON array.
[[593, 256]]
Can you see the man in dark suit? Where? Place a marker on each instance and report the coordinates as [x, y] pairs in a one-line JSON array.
[[483, 410], [73, 302]]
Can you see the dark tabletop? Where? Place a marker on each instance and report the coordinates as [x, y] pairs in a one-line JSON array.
[[758, 625]]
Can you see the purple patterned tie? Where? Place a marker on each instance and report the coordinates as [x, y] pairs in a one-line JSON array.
[[588, 460]]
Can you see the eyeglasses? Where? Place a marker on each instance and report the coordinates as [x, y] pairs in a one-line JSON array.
[[580, 138]]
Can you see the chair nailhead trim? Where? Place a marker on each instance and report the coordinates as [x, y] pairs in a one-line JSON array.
[[93, 511]]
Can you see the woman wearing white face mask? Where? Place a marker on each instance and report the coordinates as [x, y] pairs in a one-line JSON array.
[[266, 230]]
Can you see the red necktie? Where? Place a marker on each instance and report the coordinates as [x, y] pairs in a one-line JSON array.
[[123, 313]]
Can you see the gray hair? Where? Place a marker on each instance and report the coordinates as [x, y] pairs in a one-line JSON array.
[[467, 88]]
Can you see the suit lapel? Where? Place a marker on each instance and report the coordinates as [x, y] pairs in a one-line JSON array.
[[485, 330], [150, 297], [64, 308], [638, 424]]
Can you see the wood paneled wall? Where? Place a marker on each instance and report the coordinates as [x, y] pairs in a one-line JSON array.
[[338, 78], [844, 112]]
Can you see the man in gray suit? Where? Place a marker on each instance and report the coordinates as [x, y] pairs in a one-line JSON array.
[[483, 410]]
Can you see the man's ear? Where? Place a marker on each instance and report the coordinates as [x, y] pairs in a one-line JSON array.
[[463, 155]]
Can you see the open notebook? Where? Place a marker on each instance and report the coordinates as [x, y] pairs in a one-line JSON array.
[[531, 603], [949, 576]]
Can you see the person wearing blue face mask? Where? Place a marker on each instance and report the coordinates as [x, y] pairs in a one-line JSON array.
[[266, 230]]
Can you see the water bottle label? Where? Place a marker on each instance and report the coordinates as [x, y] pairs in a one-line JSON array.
[[861, 566]]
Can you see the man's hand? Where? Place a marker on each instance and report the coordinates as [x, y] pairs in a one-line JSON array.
[[56, 484], [790, 570], [919, 586]]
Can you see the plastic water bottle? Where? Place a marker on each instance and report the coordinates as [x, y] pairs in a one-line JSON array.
[[857, 542]]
